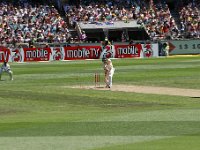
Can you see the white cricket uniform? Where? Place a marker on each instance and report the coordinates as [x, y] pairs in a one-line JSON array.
[[109, 67], [6, 68]]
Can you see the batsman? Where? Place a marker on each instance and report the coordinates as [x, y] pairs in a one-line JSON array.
[[6, 68], [109, 72]]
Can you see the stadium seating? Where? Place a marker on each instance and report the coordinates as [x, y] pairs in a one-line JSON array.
[[25, 22]]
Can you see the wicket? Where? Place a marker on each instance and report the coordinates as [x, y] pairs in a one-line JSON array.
[[97, 79]]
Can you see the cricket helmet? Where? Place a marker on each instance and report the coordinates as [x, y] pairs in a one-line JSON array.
[[103, 59]]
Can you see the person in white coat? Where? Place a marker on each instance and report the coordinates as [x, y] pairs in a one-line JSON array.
[[6, 68], [109, 73]]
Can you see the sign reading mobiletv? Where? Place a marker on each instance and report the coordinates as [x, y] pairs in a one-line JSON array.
[[128, 51], [4, 54], [82, 52], [37, 54], [136, 50]]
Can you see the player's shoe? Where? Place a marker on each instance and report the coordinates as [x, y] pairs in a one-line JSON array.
[[107, 86]]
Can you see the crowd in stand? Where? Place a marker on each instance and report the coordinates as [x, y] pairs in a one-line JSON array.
[[190, 20], [98, 11], [158, 21], [27, 23], [155, 18], [104, 11]]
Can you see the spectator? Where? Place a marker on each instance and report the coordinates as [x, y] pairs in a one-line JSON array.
[[27, 23], [190, 20]]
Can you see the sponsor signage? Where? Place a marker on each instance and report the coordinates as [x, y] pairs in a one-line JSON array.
[[128, 51], [4, 54], [37, 54], [184, 47], [136, 50], [82, 52], [78, 52]]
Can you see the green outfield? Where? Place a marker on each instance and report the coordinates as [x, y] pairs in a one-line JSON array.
[[42, 110]]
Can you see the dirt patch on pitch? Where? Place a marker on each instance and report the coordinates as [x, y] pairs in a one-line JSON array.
[[195, 93]]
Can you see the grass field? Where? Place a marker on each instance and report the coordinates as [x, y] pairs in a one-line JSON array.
[[39, 110]]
